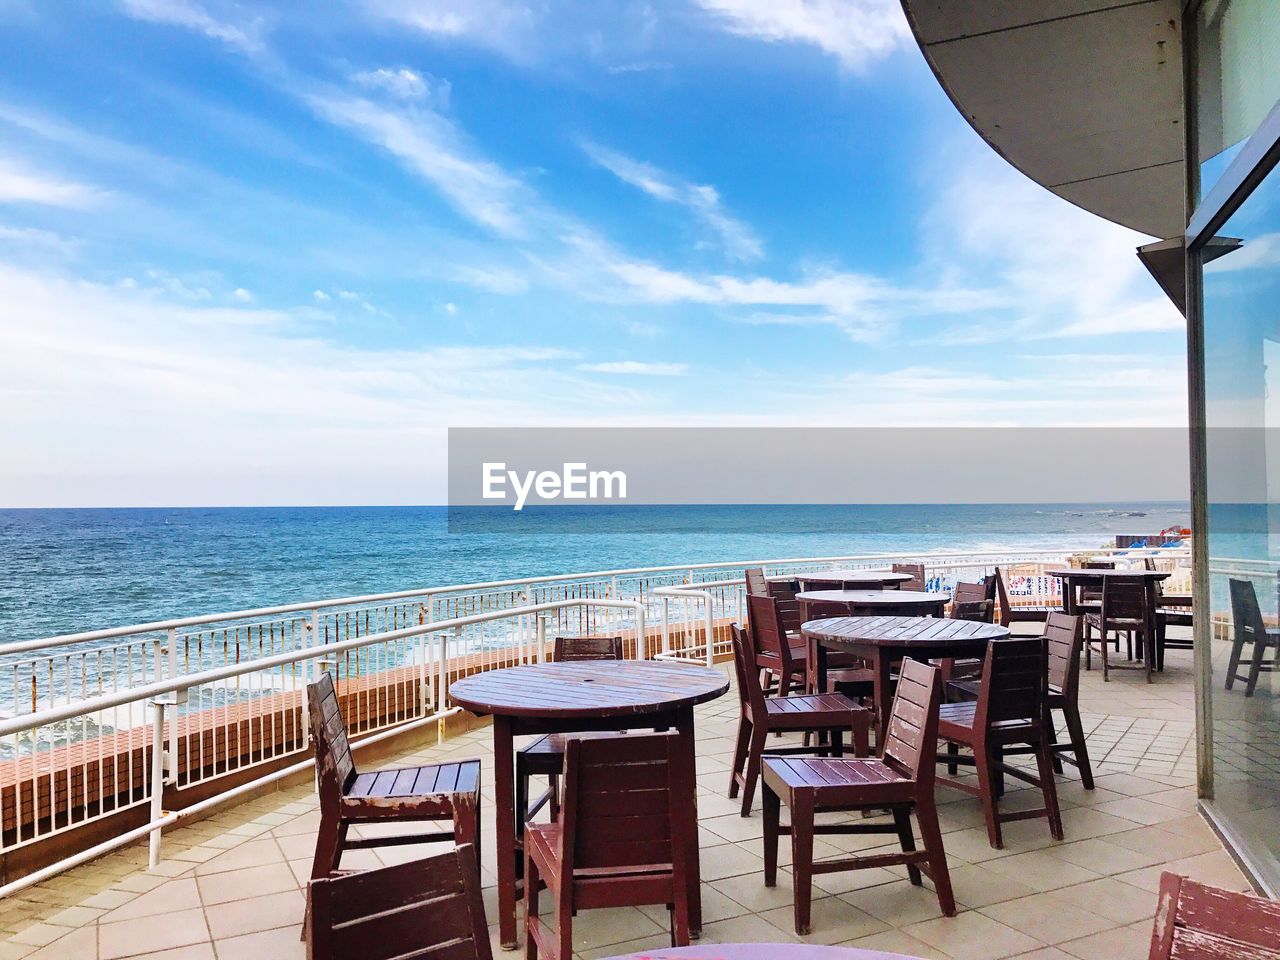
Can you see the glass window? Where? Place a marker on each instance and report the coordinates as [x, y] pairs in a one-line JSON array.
[[1242, 404], [1238, 49]]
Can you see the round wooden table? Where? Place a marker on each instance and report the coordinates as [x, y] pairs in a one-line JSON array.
[[852, 579], [1073, 578], [902, 603], [764, 951], [886, 640], [575, 698]]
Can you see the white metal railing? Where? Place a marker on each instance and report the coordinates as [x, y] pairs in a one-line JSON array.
[[66, 788]]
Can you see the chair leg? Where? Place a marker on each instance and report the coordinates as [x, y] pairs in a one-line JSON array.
[[1051, 731], [931, 838], [330, 839], [902, 820], [1106, 666], [772, 814], [1088, 646], [983, 761], [739, 754], [1049, 788], [755, 754], [531, 884], [466, 826], [680, 917], [802, 860], [564, 920], [1233, 665], [1255, 666], [1079, 746], [953, 750]]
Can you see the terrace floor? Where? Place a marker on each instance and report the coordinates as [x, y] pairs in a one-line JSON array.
[[231, 887]]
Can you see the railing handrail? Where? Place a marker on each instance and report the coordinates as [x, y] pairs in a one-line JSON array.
[[157, 626], [90, 705]]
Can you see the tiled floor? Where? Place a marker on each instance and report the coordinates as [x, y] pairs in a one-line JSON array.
[[232, 887]]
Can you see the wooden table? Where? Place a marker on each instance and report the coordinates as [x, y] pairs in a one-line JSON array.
[[1073, 578], [851, 579], [886, 640], [574, 698], [763, 951], [901, 603]]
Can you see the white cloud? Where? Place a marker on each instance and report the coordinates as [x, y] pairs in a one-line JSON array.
[[506, 27], [432, 148], [19, 184], [451, 308], [193, 16], [637, 368], [243, 295], [738, 240], [321, 296], [405, 84], [855, 32], [493, 279], [1260, 251]]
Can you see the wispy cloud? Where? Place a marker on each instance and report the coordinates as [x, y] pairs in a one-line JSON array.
[[637, 368], [19, 184], [504, 26], [738, 240], [246, 36], [405, 84], [855, 32]]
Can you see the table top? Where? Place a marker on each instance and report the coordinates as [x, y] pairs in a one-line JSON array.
[[921, 632], [599, 688], [844, 576], [876, 598], [1077, 574], [763, 951]]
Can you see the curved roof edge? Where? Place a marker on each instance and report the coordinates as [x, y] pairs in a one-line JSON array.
[[1085, 97]]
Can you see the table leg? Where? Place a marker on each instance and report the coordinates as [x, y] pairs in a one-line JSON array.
[[684, 726], [504, 813], [881, 663]]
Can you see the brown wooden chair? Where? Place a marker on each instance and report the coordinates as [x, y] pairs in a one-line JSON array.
[[1021, 613], [780, 653], [1123, 610], [969, 602], [1249, 627], [756, 582], [1010, 711], [829, 715], [918, 580], [438, 791], [846, 673], [623, 838], [422, 908], [544, 757], [1198, 922], [901, 780], [1065, 637]]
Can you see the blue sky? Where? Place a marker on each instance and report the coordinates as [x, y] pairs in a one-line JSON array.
[[268, 253]]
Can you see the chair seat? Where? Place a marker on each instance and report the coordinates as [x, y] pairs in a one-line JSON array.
[[1114, 623], [837, 782], [808, 712], [432, 788], [956, 722], [545, 756]]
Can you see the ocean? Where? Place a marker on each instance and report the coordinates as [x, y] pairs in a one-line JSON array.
[[70, 570]]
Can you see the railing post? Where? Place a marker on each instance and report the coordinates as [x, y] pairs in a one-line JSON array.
[[424, 691], [542, 637], [171, 768], [711, 638], [158, 705], [666, 625]]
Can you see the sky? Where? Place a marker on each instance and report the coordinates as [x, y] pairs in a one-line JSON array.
[[268, 253]]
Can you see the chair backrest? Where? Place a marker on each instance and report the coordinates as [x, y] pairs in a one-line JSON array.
[[421, 908], [1149, 564], [1246, 616], [756, 582], [968, 592], [768, 635], [1099, 565], [569, 649], [980, 611], [621, 800], [789, 608], [750, 693], [1065, 637], [1200, 922], [917, 581], [335, 768], [1014, 680], [911, 738], [989, 583], [1002, 594], [1123, 598], [824, 609]]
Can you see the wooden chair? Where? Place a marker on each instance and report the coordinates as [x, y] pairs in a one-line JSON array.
[[829, 715], [969, 602], [622, 839], [422, 908], [1022, 613], [756, 582], [1248, 627], [917, 581], [1198, 922], [901, 780], [544, 757], [1010, 711], [1123, 610], [846, 673], [1090, 598], [438, 791], [1171, 611], [782, 655], [1065, 637]]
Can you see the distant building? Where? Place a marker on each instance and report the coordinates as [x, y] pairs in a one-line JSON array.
[[1163, 116]]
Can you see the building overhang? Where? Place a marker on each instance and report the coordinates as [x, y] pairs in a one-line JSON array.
[[1083, 96]]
